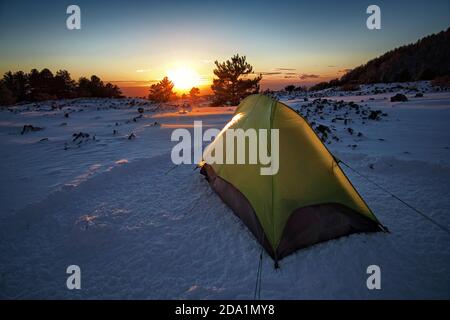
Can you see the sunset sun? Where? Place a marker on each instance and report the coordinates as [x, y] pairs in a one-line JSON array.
[[184, 78]]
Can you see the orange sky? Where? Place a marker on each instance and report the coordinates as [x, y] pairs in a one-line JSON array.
[[275, 82]]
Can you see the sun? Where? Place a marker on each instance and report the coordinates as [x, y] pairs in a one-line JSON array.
[[184, 78]]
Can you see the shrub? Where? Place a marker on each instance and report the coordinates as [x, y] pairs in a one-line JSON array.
[[289, 88]]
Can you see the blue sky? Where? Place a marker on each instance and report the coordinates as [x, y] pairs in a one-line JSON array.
[[119, 38]]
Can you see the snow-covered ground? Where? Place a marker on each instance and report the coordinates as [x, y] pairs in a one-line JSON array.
[[139, 227]]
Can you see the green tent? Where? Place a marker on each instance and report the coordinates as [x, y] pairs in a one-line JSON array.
[[307, 201]]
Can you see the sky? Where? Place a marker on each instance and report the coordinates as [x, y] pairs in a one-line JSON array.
[[134, 43]]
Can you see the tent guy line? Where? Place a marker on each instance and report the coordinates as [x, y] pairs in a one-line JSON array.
[[444, 228]]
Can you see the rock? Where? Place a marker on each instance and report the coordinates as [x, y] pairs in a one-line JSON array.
[[131, 136], [375, 115], [419, 95], [30, 128], [80, 135], [140, 110], [399, 98], [323, 129], [138, 117]]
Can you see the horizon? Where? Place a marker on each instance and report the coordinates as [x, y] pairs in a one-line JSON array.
[[134, 46]]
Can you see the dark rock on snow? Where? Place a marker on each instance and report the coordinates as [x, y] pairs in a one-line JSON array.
[[399, 98]]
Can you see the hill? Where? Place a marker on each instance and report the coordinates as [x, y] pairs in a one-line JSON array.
[[427, 59]]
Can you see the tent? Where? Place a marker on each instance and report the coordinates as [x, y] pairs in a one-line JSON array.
[[308, 200]]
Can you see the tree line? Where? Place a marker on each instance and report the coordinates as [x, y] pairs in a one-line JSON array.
[[44, 85], [232, 83], [427, 59]]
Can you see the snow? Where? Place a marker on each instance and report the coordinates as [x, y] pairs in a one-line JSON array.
[[139, 227]]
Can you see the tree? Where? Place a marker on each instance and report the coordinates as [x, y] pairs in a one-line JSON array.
[[41, 85], [194, 92], [6, 96], [112, 91], [16, 84], [289, 88], [46, 84], [33, 83], [232, 83], [63, 85], [162, 91], [96, 87], [83, 89], [21, 85]]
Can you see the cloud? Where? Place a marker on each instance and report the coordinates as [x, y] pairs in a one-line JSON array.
[[344, 70], [143, 70], [270, 73], [133, 82], [309, 76], [284, 69], [279, 71], [331, 66]]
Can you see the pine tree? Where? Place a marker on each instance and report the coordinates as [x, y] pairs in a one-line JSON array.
[[194, 92], [6, 96], [162, 91], [232, 83]]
